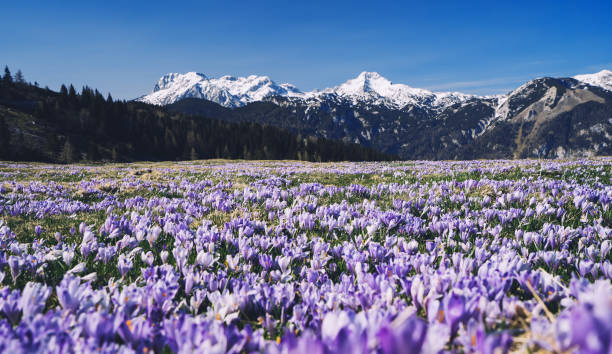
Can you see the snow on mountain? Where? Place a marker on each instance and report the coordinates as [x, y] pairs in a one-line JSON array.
[[228, 91], [368, 87], [371, 87], [602, 79]]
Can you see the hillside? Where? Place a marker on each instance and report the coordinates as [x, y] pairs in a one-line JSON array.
[[42, 125]]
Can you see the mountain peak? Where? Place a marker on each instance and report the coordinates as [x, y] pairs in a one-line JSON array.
[[365, 83], [174, 78], [369, 75], [371, 81], [371, 87]]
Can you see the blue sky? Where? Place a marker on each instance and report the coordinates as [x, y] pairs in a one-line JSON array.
[[470, 46]]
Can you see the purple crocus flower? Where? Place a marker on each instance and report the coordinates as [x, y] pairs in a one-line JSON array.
[[585, 267], [9, 304], [495, 343], [455, 310], [232, 261], [205, 259], [70, 293], [581, 329], [407, 337], [33, 299], [266, 261], [147, 258], [99, 327], [15, 263], [306, 343], [124, 263]]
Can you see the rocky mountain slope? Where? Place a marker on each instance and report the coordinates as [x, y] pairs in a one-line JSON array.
[[544, 118]]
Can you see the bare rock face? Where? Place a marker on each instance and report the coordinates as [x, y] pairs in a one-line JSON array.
[[551, 118]]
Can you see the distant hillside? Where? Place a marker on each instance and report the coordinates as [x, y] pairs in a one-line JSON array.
[[42, 125]]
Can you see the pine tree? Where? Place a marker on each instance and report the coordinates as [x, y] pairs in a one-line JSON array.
[[7, 78], [19, 77], [72, 93]]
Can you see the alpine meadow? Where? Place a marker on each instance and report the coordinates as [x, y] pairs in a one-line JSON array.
[[344, 177]]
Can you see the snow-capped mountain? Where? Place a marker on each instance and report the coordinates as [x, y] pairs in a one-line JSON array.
[[545, 117], [602, 79], [371, 87], [228, 91]]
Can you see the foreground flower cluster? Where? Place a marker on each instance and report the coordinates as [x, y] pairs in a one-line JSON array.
[[482, 256]]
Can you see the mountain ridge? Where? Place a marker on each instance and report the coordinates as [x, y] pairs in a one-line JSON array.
[[366, 88], [229, 91], [545, 117]]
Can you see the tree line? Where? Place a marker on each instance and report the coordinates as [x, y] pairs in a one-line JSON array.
[[69, 126]]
